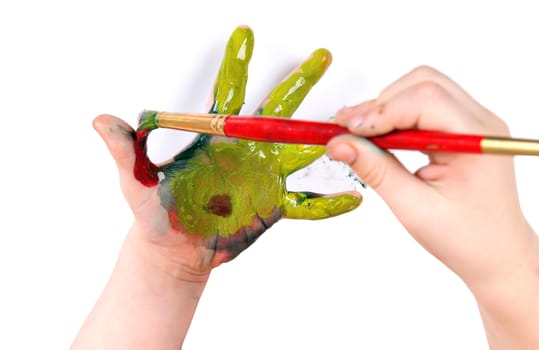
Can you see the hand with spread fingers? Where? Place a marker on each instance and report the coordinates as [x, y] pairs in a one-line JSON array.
[[202, 208], [217, 196], [463, 208]]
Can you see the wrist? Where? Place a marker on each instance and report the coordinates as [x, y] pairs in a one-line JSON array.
[[149, 300], [512, 262], [160, 263], [508, 304]]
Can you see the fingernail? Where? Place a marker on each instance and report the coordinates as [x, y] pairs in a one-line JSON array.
[[356, 114], [356, 122]]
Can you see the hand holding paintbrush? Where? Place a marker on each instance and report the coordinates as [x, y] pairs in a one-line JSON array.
[[463, 209]]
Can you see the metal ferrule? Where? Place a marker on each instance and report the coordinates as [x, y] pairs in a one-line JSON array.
[[213, 124]]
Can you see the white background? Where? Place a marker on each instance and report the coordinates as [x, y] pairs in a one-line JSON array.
[[355, 281]]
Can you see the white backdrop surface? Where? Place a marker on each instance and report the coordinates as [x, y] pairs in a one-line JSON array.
[[357, 281]]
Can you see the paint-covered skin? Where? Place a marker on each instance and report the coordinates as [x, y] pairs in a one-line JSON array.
[[224, 193]]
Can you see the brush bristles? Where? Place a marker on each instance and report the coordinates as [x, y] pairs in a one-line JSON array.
[[147, 120]]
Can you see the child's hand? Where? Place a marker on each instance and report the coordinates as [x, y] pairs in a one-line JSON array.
[[216, 197], [462, 208]]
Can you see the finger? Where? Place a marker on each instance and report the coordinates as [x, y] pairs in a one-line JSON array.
[[423, 74], [311, 206], [347, 116], [426, 105], [229, 87], [286, 97], [120, 140], [294, 157], [382, 172]]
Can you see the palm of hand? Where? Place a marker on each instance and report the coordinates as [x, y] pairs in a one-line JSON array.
[[223, 193]]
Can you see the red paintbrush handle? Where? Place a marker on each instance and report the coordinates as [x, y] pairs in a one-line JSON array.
[[319, 133], [429, 141], [283, 130]]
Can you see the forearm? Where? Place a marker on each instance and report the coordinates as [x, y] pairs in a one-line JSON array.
[[147, 304], [510, 307]]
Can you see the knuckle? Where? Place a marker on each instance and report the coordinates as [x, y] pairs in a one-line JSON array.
[[489, 123], [424, 72], [499, 126], [503, 127], [430, 90]]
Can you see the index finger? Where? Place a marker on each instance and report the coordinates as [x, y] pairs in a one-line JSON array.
[[424, 85], [423, 74], [426, 105]]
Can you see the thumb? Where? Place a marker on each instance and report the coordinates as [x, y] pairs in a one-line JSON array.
[[119, 138], [380, 170], [130, 156]]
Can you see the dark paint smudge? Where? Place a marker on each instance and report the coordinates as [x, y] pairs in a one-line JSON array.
[[230, 247], [219, 205]]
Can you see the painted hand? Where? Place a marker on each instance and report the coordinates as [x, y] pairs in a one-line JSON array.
[[216, 197]]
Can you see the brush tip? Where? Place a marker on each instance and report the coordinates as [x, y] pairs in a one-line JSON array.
[[147, 120]]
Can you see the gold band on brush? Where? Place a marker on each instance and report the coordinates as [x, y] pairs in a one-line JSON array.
[[206, 124]]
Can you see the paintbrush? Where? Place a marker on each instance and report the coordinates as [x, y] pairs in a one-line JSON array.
[[283, 130]]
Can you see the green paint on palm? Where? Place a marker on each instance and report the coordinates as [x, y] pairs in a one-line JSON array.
[[226, 169]]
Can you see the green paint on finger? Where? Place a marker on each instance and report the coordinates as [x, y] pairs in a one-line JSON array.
[[229, 89], [305, 205], [288, 95]]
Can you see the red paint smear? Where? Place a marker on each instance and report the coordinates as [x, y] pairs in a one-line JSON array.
[[174, 221], [222, 257], [145, 171]]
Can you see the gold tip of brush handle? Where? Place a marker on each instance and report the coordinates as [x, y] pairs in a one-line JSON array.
[[500, 145]]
